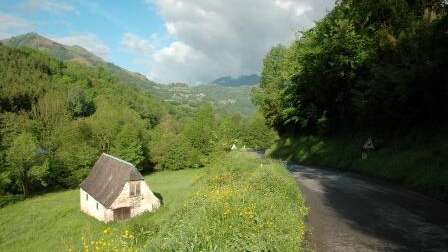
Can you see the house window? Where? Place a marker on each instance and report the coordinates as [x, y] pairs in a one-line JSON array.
[[135, 188], [87, 197], [97, 206]]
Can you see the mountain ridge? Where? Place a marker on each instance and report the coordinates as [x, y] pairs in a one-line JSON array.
[[77, 54], [242, 80]]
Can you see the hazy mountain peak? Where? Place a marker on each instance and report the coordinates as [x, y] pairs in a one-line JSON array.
[[243, 80], [32, 39]]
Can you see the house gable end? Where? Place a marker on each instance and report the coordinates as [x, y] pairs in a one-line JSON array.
[[108, 178]]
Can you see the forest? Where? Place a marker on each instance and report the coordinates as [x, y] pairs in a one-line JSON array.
[[368, 69], [56, 118]]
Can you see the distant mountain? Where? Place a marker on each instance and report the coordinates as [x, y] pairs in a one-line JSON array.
[[77, 54], [228, 94], [243, 80]]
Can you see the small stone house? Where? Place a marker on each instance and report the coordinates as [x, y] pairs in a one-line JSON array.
[[115, 190]]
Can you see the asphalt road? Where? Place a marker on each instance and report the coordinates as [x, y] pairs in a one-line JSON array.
[[352, 213]]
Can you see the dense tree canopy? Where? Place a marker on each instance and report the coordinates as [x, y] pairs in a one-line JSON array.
[[367, 65]]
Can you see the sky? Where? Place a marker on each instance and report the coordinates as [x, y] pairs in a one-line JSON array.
[[189, 41]]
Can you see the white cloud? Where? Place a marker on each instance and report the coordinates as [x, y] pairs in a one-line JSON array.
[[286, 5], [171, 28], [179, 59], [48, 6], [215, 38], [13, 25], [134, 43], [88, 41], [177, 51]]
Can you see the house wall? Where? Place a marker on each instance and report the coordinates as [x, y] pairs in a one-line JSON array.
[[89, 206], [146, 201]]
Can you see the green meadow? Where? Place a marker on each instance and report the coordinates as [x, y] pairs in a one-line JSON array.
[[53, 222], [239, 202]]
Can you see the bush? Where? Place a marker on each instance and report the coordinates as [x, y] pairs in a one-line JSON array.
[[10, 199], [180, 155]]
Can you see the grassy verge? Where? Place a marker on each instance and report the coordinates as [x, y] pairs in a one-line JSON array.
[[235, 204], [417, 161], [240, 205]]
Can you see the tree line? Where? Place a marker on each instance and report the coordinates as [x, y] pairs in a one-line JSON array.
[[372, 66], [57, 117]]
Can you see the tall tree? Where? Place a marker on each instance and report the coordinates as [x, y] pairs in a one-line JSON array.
[[127, 145], [201, 131], [22, 159]]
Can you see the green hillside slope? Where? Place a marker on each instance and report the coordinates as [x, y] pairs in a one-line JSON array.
[[53, 222], [225, 99], [77, 54]]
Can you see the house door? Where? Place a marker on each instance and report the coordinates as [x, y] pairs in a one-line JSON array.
[[122, 213]]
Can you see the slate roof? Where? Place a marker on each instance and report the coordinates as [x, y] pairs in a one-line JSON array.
[[108, 177]]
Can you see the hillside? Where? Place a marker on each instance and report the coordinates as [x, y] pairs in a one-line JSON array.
[[18, 234], [57, 117], [223, 205], [59, 51], [243, 80], [225, 99], [77, 54], [61, 116]]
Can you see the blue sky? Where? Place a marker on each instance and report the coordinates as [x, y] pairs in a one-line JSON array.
[[190, 41]]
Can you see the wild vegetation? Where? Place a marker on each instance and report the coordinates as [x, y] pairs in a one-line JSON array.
[[232, 204], [368, 69], [57, 117]]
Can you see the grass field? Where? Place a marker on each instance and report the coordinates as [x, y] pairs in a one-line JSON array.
[[53, 222], [239, 203], [417, 160]]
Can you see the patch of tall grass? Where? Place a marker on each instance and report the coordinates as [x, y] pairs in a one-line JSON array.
[[242, 203]]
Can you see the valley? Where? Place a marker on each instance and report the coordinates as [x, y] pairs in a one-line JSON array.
[[258, 125]]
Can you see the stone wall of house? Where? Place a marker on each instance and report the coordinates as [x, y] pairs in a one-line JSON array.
[[146, 201], [92, 207]]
